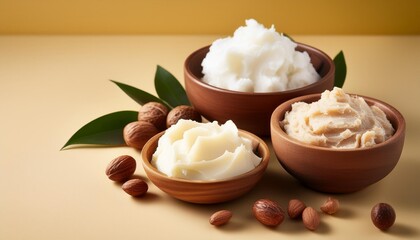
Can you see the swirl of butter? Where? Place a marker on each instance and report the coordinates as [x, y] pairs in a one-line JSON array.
[[204, 151], [338, 120]]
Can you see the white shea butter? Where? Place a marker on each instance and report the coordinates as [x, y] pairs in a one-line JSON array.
[[204, 151], [257, 59], [338, 120]]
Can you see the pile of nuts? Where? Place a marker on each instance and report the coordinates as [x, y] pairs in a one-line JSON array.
[[266, 211], [155, 117], [269, 213]]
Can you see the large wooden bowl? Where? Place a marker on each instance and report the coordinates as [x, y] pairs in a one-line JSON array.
[[337, 170], [249, 111]]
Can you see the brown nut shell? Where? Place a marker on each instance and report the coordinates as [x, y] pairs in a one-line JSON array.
[[330, 206], [154, 113], [310, 218], [383, 216], [220, 218], [136, 134], [135, 187], [295, 208], [121, 168], [268, 212], [182, 112]]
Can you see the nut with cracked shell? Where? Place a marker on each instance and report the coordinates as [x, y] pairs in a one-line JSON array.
[[330, 206]]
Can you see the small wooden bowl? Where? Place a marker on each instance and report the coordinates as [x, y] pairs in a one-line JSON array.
[[249, 111], [337, 170], [206, 192]]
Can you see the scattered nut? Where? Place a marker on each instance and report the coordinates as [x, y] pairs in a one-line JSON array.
[[330, 206], [310, 218], [136, 134], [182, 112], [135, 187], [295, 208], [121, 168], [383, 216], [268, 212], [154, 113], [220, 217]]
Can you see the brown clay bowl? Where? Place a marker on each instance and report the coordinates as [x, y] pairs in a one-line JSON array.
[[336, 170], [206, 192], [249, 111]]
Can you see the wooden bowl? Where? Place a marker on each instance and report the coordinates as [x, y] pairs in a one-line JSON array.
[[337, 170], [249, 111], [206, 192]]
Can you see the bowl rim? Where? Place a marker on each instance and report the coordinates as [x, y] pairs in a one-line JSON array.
[[261, 167], [277, 130], [197, 80]]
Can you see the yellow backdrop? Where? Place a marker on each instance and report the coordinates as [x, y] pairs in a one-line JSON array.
[[208, 17]]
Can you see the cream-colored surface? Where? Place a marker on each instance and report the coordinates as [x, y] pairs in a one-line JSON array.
[[337, 120], [51, 86], [207, 17]]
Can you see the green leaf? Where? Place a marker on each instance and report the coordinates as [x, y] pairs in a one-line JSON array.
[[169, 89], [340, 69], [140, 96], [105, 130]]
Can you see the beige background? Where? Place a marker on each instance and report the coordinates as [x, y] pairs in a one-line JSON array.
[[51, 86]]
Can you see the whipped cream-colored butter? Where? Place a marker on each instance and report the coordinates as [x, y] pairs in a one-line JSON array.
[[338, 120], [204, 151], [257, 59]]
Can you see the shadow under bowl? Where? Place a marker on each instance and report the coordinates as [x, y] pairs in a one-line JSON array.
[[337, 170], [201, 191], [249, 111]]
